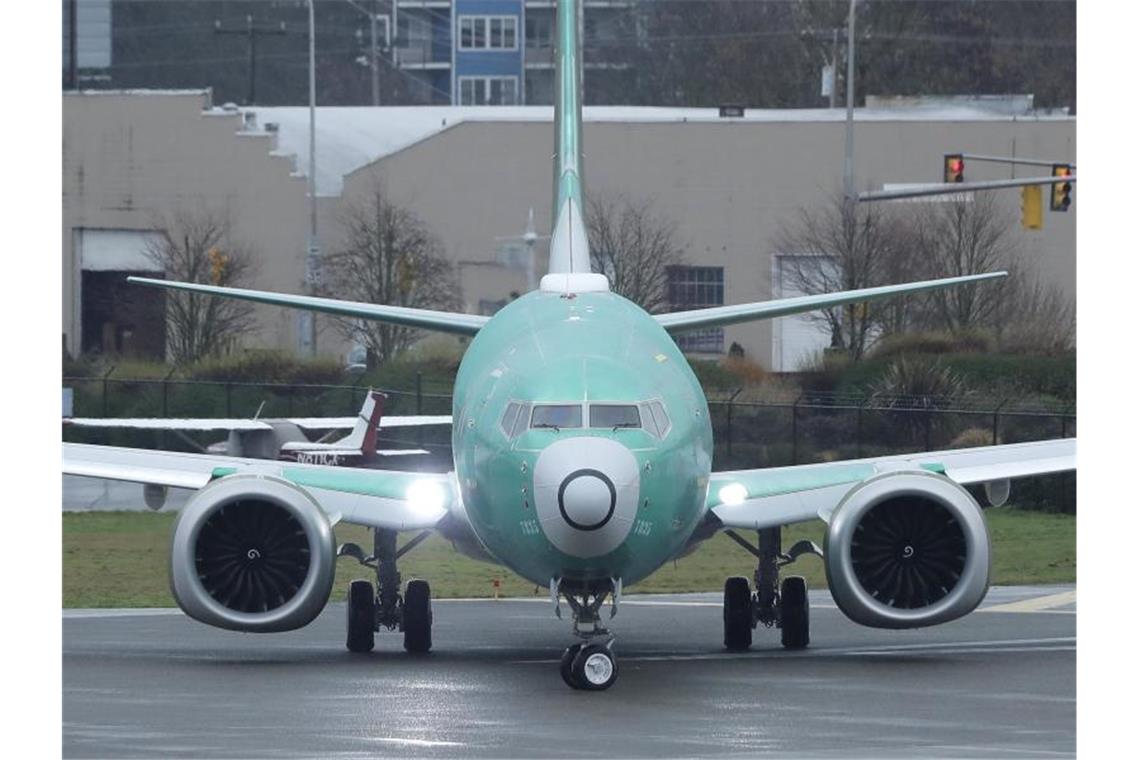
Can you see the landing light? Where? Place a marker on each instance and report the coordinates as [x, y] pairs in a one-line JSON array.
[[733, 494], [426, 497]]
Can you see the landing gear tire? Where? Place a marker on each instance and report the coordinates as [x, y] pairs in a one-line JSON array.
[[794, 613], [593, 669], [737, 614], [417, 617], [567, 661], [361, 617]]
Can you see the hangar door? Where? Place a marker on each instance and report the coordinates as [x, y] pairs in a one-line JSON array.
[[117, 318], [798, 339]]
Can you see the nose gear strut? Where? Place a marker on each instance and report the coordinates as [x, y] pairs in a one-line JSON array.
[[588, 665]]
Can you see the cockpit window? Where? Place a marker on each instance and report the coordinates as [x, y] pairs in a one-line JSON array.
[[660, 418], [614, 416], [510, 417], [556, 416]]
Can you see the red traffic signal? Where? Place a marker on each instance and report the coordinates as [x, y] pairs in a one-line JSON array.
[[1061, 197], [953, 168]]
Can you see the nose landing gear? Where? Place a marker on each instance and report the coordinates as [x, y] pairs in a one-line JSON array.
[[783, 604], [588, 665]]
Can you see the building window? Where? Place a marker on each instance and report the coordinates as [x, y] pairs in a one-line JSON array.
[[697, 288], [488, 33], [539, 29], [488, 91]]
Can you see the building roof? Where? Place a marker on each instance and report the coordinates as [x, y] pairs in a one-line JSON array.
[[349, 138]]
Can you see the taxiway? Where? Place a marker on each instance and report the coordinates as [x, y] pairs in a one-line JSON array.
[[999, 683]]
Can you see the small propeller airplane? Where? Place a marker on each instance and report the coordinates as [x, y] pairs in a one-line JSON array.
[[285, 437], [583, 453]]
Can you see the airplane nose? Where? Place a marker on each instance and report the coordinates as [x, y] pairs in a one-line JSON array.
[[587, 499], [586, 491]]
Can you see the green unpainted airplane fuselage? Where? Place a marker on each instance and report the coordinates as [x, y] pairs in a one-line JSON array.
[[582, 438]]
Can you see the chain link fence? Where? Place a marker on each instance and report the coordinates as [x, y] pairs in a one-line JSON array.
[[773, 430]]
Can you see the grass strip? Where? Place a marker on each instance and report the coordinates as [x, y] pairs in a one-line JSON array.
[[119, 559]]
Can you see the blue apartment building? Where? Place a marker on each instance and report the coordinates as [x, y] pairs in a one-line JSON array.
[[500, 52]]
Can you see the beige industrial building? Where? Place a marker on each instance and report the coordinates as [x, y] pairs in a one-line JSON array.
[[132, 159]]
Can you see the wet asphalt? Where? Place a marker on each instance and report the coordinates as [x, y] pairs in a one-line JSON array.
[[999, 683]]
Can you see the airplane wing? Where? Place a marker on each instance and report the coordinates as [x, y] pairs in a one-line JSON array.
[[442, 321], [237, 423], [766, 498], [393, 421], [376, 498], [169, 423], [716, 316]]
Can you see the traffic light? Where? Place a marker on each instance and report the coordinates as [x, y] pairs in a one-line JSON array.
[[218, 263], [953, 168], [1031, 207], [1061, 199]]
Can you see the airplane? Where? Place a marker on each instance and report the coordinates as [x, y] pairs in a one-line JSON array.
[[284, 438], [583, 451]]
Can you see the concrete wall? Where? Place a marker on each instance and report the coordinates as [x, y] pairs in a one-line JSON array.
[[129, 159], [729, 185]]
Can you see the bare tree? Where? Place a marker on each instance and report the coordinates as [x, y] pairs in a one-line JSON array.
[[845, 246], [1034, 317], [196, 246], [389, 256], [963, 237], [634, 247]]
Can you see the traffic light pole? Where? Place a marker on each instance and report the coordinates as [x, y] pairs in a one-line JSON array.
[[1008, 160], [960, 187]]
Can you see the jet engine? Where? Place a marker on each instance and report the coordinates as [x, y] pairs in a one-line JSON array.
[[907, 549], [252, 553]]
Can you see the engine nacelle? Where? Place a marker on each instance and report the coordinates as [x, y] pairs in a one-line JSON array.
[[252, 553], [907, 549]]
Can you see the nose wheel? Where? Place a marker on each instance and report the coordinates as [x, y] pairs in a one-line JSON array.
[[589, 667]]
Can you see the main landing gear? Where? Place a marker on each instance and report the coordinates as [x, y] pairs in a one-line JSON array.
[[589, 665], [368, 611], [783, 604]]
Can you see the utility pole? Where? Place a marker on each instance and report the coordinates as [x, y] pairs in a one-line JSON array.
[[375, 58], [834, 67], [374, 51], [849, 146], [251, 33], [73, 44]]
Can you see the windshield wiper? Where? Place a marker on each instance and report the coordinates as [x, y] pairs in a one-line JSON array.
[[548, 425], [626, 425]]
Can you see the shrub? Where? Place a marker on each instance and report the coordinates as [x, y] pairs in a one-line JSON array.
[[971, 437], [936, 342], [268, 367], [747, 372], [910, 378]]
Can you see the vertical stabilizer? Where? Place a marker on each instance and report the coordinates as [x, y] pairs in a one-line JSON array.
[[569, 247], [366, 430]]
